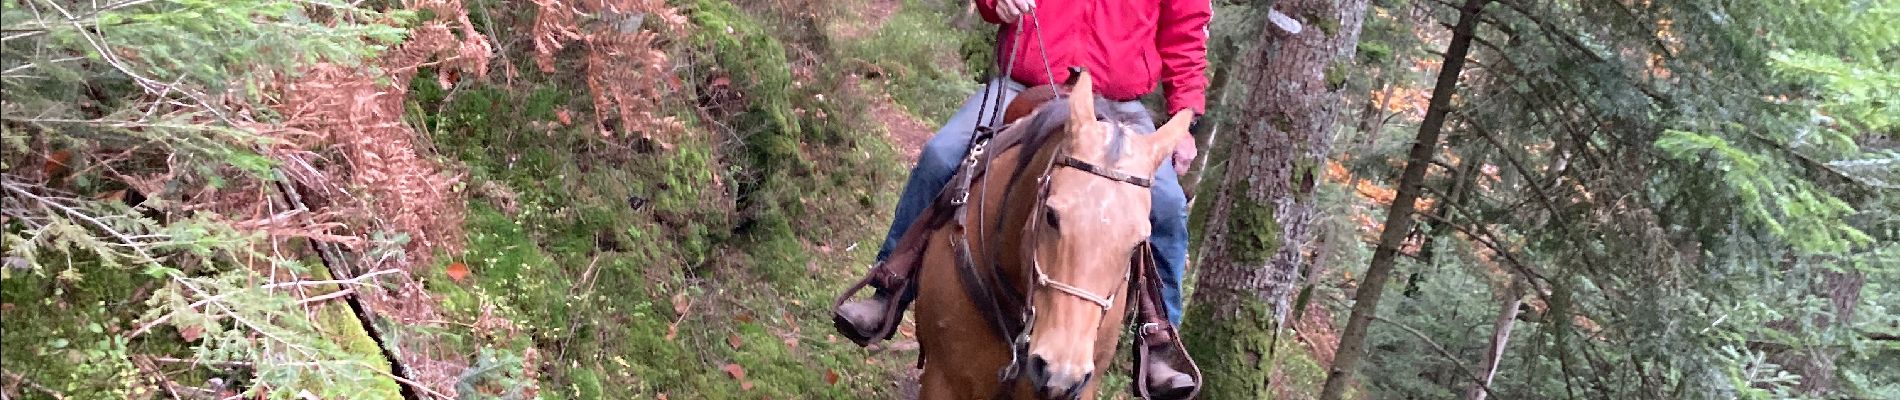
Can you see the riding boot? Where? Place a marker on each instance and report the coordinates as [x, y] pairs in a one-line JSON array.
[[874, 319], [1164, 376], [870, 320], [1163, 369]]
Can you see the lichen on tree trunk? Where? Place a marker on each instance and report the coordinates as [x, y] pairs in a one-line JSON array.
[[1262, 210]]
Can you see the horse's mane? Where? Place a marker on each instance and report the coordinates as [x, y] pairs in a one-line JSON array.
[[1030, 135], [1033, 131]]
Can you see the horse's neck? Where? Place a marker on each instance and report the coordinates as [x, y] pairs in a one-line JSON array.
[[1003, 198]]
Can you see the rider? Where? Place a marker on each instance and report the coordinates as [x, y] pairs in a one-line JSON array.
[[1128, 46]]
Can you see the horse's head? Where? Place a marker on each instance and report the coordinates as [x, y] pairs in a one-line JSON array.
[[1081, 240]]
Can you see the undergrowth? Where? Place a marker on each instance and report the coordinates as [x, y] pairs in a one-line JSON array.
[[697, 267]]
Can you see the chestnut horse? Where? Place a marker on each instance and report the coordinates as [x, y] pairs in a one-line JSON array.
[[1059, 212]]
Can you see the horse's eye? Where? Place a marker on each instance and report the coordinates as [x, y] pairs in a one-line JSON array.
[[1050, 215]]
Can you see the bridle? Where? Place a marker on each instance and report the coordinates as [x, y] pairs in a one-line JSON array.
[[975, 284]]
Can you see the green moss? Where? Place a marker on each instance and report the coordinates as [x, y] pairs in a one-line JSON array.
[[1336, 74], [1326, 24], [55, 329], [756, 60], [338, 324], [586, 384], [1253, 234], [730, 223], [1234, 357], [909, 51]]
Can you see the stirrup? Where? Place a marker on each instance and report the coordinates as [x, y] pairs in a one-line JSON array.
[[893, 315], [1144, 357]]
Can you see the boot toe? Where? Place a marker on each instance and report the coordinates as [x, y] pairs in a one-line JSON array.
[[1171, 387]]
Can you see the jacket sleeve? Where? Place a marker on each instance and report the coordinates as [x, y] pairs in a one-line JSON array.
[[1181, 38], [988, 9]]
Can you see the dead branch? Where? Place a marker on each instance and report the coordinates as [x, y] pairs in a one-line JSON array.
[[36, 386], [208, 300], [1441, 351]]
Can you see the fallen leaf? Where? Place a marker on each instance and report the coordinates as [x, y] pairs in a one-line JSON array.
[[831, 377], [909, 331], [457, 271], [566, 118], [791, 343], [56, 163], [116, 195], [734, 341], [191, 333], [681, 303], [672, 331], [745, 318], [734, 370]]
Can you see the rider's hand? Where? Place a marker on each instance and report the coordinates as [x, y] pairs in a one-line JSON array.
[[1185, 152], [1013, 10]]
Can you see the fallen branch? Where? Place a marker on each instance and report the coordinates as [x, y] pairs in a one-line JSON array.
[[201, 303], [332, 295], [36, 386], [253, 366]]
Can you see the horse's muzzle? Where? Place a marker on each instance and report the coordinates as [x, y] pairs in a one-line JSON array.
[[1055, 382]]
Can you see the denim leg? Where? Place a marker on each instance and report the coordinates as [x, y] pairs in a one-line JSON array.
[[1170, 237], [1168, 220], [939, 160]]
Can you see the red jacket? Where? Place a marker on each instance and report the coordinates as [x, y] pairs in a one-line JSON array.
[[1127, 45]]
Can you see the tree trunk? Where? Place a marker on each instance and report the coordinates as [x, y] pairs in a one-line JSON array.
[[1263, 202], [1500, 337], [1398, 220]]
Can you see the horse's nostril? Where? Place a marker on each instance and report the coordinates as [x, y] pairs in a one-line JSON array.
[[1038, 370]]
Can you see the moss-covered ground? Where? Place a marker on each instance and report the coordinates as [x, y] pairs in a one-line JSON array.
[[702, 268], [700, 265]]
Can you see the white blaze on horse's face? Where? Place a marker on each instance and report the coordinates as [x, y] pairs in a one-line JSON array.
[[1085, 238]]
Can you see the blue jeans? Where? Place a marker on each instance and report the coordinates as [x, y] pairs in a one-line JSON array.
[[946, 150]]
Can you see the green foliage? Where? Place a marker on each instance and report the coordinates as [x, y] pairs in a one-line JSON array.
[[1792, 209], [171, 87], [909, 51], [1698, 192]]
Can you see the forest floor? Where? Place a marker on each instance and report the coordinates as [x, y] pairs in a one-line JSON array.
[[603, 264], [715, 282]]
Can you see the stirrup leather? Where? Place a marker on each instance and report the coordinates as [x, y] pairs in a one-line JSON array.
[[1152, 328]]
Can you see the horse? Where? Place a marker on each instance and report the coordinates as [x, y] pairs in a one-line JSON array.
[[1026, 275]]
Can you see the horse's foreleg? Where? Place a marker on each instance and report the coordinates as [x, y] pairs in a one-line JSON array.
[[935, 384]]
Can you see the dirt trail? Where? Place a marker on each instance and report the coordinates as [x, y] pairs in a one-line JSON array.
[[871, 16], [907, 132]]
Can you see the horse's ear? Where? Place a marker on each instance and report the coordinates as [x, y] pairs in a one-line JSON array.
[[1082, 101], [1161, 144]]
